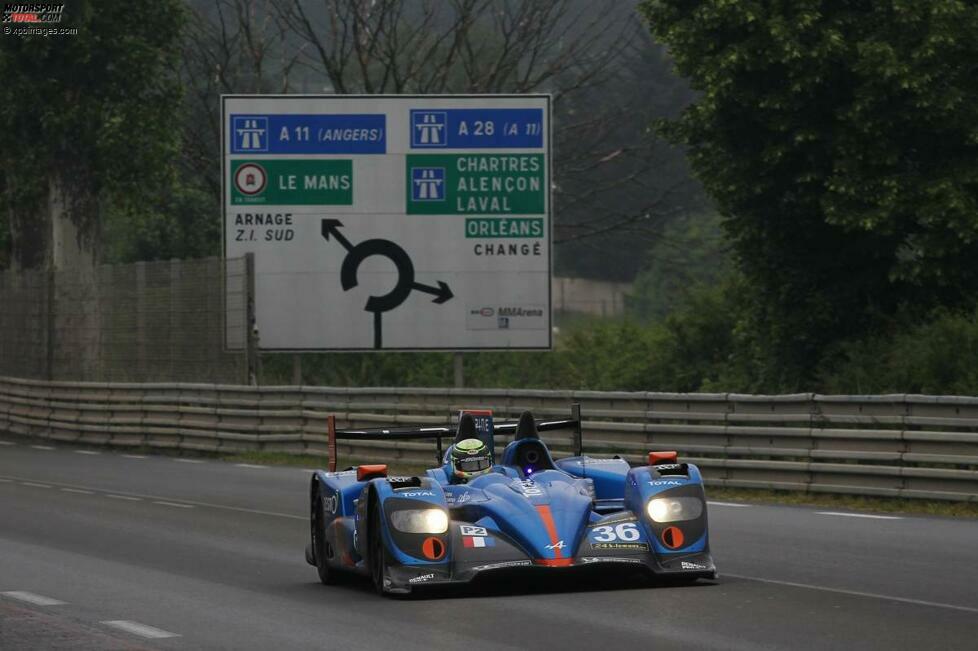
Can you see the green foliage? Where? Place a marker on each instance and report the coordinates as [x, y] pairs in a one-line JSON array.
[[689, 251], [96, 109], [4, 240], [934, 357], [689, 351], [838, 140], [183, 222]]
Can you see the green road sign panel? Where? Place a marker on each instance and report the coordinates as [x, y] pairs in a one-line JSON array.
[[504, 227], [479, 184], [292, 182]]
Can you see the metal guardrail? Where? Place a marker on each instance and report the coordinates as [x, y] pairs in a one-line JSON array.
[[892, 445]]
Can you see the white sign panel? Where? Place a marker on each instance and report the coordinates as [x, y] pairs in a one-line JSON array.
[[392, 222]]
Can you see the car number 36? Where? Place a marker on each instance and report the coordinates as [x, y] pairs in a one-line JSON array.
[[626, 531]]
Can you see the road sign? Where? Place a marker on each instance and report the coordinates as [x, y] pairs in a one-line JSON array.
[[392, 222]]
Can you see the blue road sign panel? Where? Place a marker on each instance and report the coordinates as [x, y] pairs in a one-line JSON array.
[[309, 134], [477, 129], [428, 184]]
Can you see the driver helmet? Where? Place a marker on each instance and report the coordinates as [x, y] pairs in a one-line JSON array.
[[470, 458]]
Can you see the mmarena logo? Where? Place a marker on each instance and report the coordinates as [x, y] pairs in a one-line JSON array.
[[45, 13]]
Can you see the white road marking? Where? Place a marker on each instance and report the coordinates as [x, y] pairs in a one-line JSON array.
[[189, 460], [33, 485], [142, 630], [7, 443], [726, 504], [6, 481], [179, 506], [856, 593], [249, 465], [92, 452], [31, 598], [77, 490], [859, 515], [209, 505], [42, 447], [125, 497], [134, 456]]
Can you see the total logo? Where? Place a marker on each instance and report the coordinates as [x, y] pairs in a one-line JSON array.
[[417, 494], [666, 482]]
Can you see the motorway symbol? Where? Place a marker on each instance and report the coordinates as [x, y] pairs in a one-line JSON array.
[[250, 134], [357, 253], [250, 179], [428, 128], [428, 184]]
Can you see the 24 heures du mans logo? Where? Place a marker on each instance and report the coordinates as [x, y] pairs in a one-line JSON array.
[[43, 13]]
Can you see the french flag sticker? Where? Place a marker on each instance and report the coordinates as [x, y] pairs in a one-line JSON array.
[[478, 541]]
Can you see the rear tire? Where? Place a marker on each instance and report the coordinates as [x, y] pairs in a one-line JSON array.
[[326, 575]]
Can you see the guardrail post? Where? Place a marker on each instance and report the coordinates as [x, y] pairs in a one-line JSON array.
[[331, 433], [578, 436], [49, 326]]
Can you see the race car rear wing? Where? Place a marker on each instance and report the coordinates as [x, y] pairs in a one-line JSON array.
[[443, 432]]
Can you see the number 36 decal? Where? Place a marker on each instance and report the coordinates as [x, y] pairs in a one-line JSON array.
[[626, 531]]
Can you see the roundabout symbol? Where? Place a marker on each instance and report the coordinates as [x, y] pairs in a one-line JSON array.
[[356, 254]]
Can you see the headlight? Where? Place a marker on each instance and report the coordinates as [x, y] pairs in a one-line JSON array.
[[674, 509], [420, 520]]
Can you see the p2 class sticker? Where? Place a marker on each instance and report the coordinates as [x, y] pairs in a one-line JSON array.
[[468, 530]]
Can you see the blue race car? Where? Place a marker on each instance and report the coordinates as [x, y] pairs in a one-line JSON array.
[[471, 517]]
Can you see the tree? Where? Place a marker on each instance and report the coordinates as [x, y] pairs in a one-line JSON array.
[[87, 123], [689, 253], [838, 140]]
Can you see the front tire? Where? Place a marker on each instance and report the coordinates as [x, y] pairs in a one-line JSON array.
[[378, 553], [319, 544]]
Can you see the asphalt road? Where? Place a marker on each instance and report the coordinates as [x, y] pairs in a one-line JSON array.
[[108, 551]]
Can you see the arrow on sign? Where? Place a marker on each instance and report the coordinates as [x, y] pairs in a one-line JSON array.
[[356, 254], [332, 227], [442, 292]]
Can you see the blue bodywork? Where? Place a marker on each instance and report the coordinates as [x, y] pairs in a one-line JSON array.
[[529, 512]]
